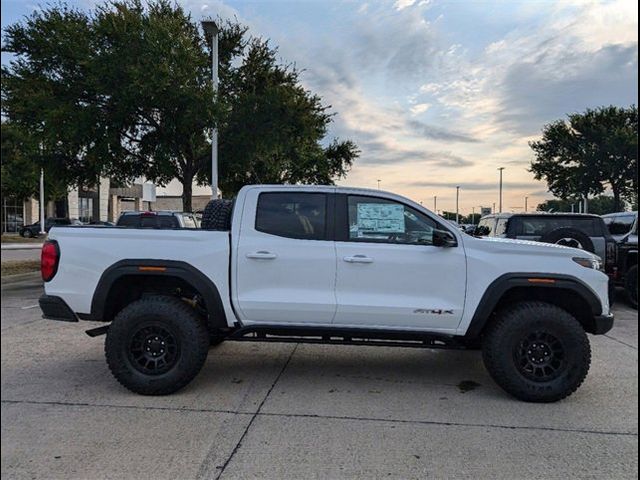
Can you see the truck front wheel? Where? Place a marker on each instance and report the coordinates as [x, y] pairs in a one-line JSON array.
[[156, 345], [537, 352]]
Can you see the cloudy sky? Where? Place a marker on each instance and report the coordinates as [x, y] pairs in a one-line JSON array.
[[442, 93]]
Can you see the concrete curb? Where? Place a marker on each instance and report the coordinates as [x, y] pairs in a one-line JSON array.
[[20, 277], [21, 246]]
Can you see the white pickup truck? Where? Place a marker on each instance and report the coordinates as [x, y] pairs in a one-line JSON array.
[[326, 264]]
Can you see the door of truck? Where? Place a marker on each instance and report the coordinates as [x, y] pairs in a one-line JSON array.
[[285, 260], [389, 274]]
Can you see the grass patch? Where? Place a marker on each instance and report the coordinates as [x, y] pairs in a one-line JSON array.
[[19, 239], [15, 267]]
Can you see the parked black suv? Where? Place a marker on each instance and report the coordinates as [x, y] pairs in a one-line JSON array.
[[584, 231], [33, 230], [624, 228]]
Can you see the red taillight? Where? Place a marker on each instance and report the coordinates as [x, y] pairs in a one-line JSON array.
[[49, 258]]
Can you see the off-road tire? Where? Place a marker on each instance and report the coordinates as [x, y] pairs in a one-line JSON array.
[[506, 335], [216, 337], [172, 315], [217, 215], [555, 236], [631, 286]]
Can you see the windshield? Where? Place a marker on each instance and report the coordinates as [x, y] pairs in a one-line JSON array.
[[620, 224]]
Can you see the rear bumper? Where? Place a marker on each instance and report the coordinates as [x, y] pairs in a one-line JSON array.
[[55, 308], [602, 324]]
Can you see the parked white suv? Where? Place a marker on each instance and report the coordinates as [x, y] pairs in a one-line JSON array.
[[327, 264]]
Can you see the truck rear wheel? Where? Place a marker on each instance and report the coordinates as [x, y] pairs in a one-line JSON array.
[[537, 352], [156, 345]]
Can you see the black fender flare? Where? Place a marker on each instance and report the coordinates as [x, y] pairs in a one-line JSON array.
[[506, 282], [161, 268]]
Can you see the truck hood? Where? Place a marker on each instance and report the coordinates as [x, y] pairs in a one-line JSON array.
[[531, 248]]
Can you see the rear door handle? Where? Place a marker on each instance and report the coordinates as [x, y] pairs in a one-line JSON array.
[[358, 259], [262, 255]]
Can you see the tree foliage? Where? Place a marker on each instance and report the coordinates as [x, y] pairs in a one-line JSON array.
[[126, 91], [21, 162], [592, 151], [600, 205]]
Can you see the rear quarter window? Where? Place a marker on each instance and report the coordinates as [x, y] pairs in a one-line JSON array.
[[539, 226]]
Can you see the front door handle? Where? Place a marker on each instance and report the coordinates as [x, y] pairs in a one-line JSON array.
[[358, 259], [262, 255]]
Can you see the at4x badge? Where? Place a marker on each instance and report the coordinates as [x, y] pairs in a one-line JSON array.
[[433, 311]]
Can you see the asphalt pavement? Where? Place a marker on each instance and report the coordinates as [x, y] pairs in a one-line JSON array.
[[281, 411], [19, 254]]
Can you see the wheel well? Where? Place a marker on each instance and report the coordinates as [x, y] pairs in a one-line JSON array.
[[129, 288], [632, 260], [565, 298]]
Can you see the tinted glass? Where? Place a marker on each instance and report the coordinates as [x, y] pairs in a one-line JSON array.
[[501, 226], [619, 225], [293, 215], [485, 227], [538, 226], [380, 220], [128, 221]]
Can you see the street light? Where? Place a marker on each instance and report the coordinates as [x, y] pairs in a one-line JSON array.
[[378, 184], [42, 230], [526, 200], [457, 203], [435, 203], [500, 203], [211, 29]]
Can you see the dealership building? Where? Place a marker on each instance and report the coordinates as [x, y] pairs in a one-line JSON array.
[[91, 204]]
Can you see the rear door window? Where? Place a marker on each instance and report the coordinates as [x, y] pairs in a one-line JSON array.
[[293, 215]]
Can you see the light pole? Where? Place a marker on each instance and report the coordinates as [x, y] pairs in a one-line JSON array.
[[526, 200], [494, 208], [42, 230], [435, 203], [500, 199], [378, 184], [211, 29], [457, 204]]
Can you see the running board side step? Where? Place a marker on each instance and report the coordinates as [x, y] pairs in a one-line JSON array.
[[344, 336]]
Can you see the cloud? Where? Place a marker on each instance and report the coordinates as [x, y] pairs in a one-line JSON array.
[[438, 133], [420, 108], [476, 186], [379, 153]]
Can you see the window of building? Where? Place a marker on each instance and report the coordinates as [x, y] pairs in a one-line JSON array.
[[85, 209], [293, 215], [12, 215]]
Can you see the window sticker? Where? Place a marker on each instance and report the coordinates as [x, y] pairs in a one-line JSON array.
[[380, 218]]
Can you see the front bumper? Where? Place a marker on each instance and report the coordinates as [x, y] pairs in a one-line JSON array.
[[55, 308], [602, 324]]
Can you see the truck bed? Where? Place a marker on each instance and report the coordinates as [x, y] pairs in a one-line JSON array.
[[87, 252]]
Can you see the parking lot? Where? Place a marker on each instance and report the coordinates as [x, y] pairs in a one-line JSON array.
[[304, 411]]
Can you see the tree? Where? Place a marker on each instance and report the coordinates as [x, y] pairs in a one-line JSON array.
[[126, 92], [21, 162], [594, 150], [600, 205]]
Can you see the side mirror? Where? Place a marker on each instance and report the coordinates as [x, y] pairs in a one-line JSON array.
[[443, 238]]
